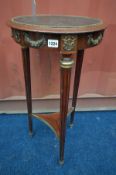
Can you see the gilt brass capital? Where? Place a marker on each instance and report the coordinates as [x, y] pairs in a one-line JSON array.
[[66, 62]]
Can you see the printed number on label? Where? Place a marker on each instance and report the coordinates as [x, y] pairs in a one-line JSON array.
[[53, 43]]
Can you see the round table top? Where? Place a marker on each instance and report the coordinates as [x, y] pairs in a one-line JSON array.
[[57, 24]]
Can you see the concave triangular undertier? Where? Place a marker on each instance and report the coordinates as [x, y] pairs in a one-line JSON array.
[[52, 120]]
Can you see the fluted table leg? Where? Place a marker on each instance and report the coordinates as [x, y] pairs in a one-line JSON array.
[[66, 65], [79, 61], [27, 77]]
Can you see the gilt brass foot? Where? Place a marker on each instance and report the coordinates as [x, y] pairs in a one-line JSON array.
[[61, 162]]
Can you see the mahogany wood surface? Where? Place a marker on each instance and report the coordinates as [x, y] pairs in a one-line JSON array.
[[27, 76], [73, 34], [79, 61], [64, 93], [51, 120], [57, 24]]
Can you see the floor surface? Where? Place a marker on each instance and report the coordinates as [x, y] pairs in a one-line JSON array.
[[90, 147]]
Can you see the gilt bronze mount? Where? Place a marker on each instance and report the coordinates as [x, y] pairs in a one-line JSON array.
[[71, 35]]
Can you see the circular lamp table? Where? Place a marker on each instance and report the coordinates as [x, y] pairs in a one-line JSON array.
[[70, 35]]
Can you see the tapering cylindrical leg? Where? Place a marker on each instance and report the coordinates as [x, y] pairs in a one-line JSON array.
[[79, 61], [27, 76], [66, 65]]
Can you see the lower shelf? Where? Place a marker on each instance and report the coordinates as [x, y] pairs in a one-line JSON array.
[[53, 120]]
